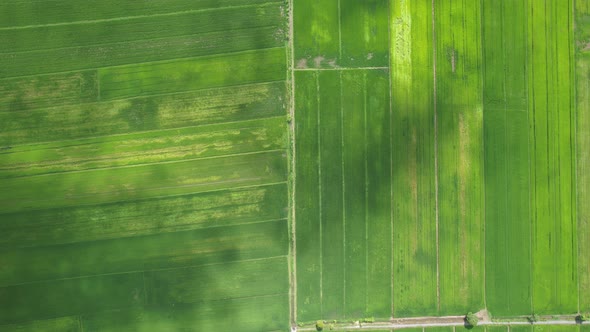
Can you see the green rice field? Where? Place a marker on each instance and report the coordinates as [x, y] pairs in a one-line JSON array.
[[259, 165]]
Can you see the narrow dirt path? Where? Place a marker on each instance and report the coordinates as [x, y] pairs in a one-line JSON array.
[[456, 321]]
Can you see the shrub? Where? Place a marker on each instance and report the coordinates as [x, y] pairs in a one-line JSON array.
[[471, 320], [319, 325], [583, 318], [534, 318]]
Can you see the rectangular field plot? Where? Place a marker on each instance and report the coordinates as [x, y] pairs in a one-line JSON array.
[[70, 297], [138, 253], [144, 166], [193, 74], [414, 208], [143, 148], [346, 153], [66, 324], [263, 313], [143, 217], [210, 106], [552, 160], [460, 157], [144, 181], [138, 28], [340, 33], [507, 190]]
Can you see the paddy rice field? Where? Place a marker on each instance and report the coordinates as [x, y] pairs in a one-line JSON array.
[[249, 165]]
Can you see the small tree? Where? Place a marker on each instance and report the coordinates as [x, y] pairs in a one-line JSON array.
[[319, 325], [533, 319], [583, 318], [471, 320]]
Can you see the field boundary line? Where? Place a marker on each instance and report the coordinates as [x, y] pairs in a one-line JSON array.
[[343, 197], [151, 164], [391, 152], [456, 322], [574, 148], [531, 145], [320, 212], [142, 271], [341, 68], [483, 142], [125, 18], [291, 187], [436, 215], [366, 153], [138, 133], [339, 30], [145, 294]]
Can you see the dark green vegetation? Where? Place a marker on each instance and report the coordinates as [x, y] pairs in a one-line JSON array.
[[143, 166]]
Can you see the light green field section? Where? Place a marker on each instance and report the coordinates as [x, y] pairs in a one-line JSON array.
[[220, 105], [144, 217], [31, 12], [506, 146], [555, 328], [264, 313], [460, 157], [439, 329], [414, 228], [341, 33], [521, 329], [192, 74], [582, 128], [66, 324], [551, 113], [496, 329]]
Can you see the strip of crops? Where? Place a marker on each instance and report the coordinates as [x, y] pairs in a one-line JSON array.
[[508, 254], [143, 217], [194, 108], [582, 129], [460, 157], [414, 214], [552, 161], [31, 12]]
